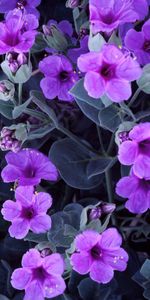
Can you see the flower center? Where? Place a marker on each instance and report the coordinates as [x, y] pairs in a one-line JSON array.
[[96, 252], [30, 172], [39, 274], [64, 75], [144, 147], [108, 18], [21, 4], [146, 46], [107, 71], [28, 213]]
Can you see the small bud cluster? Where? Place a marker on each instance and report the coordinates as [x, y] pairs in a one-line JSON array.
[[8, 140], [15, 61], [102, 209], [123, 136]]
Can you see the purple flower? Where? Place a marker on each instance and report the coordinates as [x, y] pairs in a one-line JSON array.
[[39, 277], [17, 32], [28, 166], [137, 191], [139, 43], [59, 77], [99, 254], [136, 150], [109, 72], [108, 15], [74, 53], [28, 212], [28, 5]]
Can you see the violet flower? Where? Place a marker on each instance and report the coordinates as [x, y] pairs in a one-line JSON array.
[[27, 5], [74, 53], [137, 191], [99, 254], [59, 77], [28, 167], [139, 43], [108, 15], [136, 150], [28, 212], [39, 277], [109, 72], [17, 32]]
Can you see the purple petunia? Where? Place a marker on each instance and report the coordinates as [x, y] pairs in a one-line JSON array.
[[17, 32], [59, 77], [139, 43], [108, 15], [109, 72], [99, 254], [39, 277], [137, 191], [28, 167], [28, 5], [28, 212], [136, 150]]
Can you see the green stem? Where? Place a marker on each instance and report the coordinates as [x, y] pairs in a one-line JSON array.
[[134, 97], [35, 72], [111, 144], [100, 140], [20, 93], [109, 192]]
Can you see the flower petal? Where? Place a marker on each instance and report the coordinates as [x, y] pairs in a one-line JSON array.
[[34, 291], [81, 262], [24, 195], [138, 202], [19, 228], [134, 40], [126, 148], [10, 210], [20, 278], [116, 259], [10, 173], [54, 264], [110, 239], [54, 286], [118, 90], [50, 87], [43, 202], [141, 167], [127, 185], [101, 273], [94, 84], [40, 223], [86, 240], [31, 259]]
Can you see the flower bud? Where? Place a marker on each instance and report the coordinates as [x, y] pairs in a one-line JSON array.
[[46, 30], [45, 252], [95, 213], [8, 140], [21, 59], [56, 39], [7, 90], [123, 136], [108, 208], [72, 3], [14, 66]]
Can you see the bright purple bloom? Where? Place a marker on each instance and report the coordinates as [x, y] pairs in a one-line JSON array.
[[139, 43], [137, 191], [99, 254], [136, 150], [109, 72], [27, 5], [17, 32], [74, 53], [108, 15], [28, 212], [59, 77], [39, 277], [28, 167]]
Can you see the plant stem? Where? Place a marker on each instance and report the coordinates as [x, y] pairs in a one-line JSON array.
[[100, 140], [109, 192], [134, 97], [111, 144], [20, 93], [35, 72]]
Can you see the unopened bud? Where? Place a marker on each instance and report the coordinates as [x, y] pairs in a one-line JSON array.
[[108, 208], [14, 66], [21, 59], [46, 30], [7, 90], [72, 3], [45, 252], [95, 213], [8, 140], [123, 136]]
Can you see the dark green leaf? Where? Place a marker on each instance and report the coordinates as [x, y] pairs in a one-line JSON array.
[[109, 118], [100, 165]]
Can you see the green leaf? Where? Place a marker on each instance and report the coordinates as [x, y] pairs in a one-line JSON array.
[[72, 161], [18, 110], [21, 76], [89, 111], [96, 42], [109, 118], [6, 109], [100, 165], [79, 92], [144, 80], [40, 44], [145, 270]]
